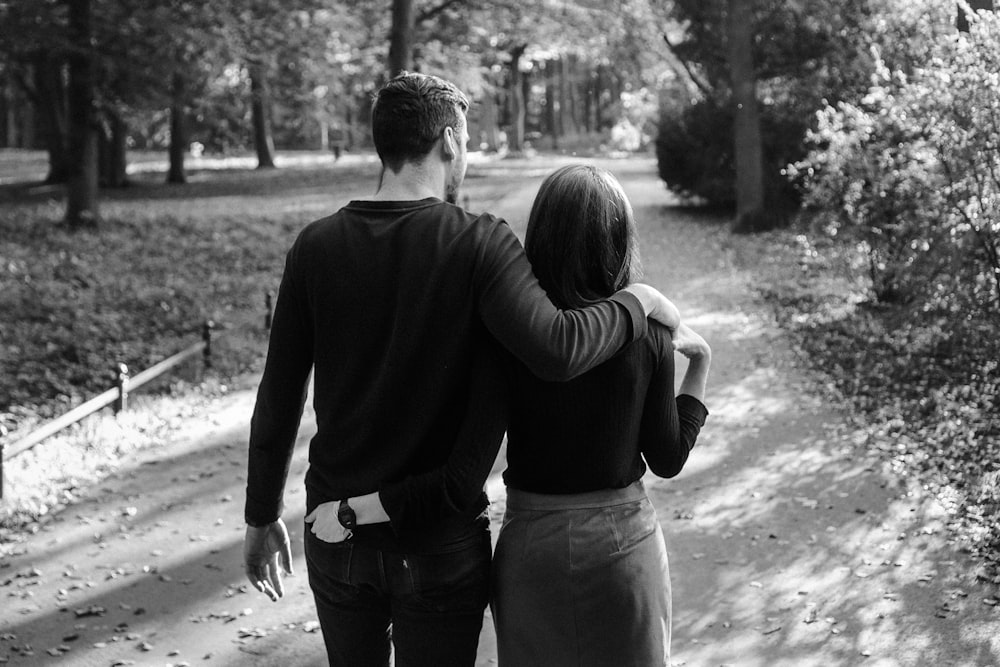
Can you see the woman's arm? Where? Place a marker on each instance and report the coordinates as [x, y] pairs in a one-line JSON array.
[[699, 355], [670, 425]]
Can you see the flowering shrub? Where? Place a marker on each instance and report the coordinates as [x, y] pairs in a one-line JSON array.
[[913, 172]]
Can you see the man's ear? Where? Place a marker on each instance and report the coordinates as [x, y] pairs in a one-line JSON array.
[[449, 144]]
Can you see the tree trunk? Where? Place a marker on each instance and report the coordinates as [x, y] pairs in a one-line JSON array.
[[260, 113], [111, 153], [551, 110], [488, 120], [349, 125], [962, 20], [598, 89], [81, 191], [567, 124], [178, 130], [51, 104], [747, 147], [575, 104], [588, 103], [8, 124], [516, 97], [401, 37]]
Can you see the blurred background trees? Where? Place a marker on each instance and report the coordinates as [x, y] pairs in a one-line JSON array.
[[733, 91], [235, 76]]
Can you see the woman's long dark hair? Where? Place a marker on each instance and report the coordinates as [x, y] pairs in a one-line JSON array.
[[581, 237]]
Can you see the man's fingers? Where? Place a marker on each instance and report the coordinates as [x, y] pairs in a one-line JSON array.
[[274, 574], [311, 516], [258, 580], [286, 557]]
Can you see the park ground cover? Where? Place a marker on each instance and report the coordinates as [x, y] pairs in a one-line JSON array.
[[922, 388], [166, 259]]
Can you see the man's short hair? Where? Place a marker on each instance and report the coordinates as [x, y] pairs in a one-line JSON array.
[[409, 114]]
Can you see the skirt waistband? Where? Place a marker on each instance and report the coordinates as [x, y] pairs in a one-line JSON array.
[[526, 500]]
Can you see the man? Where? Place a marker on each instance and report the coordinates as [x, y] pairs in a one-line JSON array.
[[384, 301]]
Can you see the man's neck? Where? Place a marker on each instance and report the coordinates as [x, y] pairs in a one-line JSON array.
[[411, 183]]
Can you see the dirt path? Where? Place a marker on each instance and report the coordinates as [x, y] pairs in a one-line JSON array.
[[788, 545]]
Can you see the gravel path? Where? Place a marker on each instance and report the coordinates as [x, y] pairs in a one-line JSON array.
[[788, 544]]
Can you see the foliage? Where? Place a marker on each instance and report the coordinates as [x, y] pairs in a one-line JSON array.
[[912, 172], [926, 387], [902, 186], [804, 56]]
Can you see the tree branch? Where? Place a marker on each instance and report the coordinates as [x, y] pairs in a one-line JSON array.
[[701, 85], [430, 13], [30, 91]]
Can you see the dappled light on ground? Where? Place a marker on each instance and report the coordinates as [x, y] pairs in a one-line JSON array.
[[790, 545]]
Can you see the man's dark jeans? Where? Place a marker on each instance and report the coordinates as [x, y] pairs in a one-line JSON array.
[[429, 605]]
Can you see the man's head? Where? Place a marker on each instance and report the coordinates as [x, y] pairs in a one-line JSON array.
[[411, 113]]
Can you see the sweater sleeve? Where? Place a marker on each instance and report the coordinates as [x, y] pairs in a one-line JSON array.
[[669, 426], [453, 488], [556, 345], [280, 400]]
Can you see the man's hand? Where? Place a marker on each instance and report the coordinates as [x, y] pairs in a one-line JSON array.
[[264, 549], [325, 523], [657, 306]]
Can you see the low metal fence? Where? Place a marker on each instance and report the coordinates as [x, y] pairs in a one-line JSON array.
[[117, 396]]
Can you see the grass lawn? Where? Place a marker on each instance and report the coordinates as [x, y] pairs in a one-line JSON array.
[[165, 259]]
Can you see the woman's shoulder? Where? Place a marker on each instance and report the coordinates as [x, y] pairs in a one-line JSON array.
[[659, 335]]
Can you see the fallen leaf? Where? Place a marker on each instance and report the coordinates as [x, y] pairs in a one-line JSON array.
[[92, 610]]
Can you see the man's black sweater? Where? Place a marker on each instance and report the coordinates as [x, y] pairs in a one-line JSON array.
[[385, 301]]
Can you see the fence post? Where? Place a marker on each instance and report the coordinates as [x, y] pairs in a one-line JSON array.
[[121, 382], [206, 335], [268, 309]]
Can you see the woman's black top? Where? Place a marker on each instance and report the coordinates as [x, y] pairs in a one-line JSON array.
[[598, 431]]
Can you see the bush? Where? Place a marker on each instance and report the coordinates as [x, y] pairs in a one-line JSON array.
[[912, 173], [908, 179], [694, 152]]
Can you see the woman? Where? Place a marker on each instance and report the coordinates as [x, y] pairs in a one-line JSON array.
[[580, 568]]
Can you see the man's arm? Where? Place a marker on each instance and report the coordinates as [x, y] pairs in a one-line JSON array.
[[555, 344], [273, 429]]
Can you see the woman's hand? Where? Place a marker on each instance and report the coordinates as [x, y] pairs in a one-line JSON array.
[[325, 524], [691, 344]]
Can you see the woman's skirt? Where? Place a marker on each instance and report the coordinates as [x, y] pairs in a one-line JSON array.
[[581, 579]]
